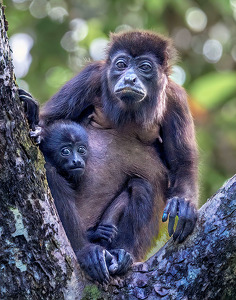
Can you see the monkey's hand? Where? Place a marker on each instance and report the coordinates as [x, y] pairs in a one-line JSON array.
[[187, 213], [31, 108], [92, 259], [36, 134], [105, 232], [123, 259]]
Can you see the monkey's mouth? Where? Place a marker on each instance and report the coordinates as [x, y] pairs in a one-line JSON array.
[[130, 90], [76, 171], [76, 168], [130, 95]]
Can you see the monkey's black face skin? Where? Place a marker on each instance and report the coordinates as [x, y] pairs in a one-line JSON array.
[[130, 87], [65, 146], [132, 78], [71, 158]]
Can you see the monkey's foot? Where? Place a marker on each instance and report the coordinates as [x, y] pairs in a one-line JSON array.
[[124, 261], [92, 259]]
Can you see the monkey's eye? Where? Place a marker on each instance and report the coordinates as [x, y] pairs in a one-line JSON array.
[[82, 150], [120, 64], [146, 67], [65, 151]]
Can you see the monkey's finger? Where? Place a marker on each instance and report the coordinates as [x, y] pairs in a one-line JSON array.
[[111, 262], [190, 222], [91, 269], [108, 227], [23, 92], [37, 132], [171, 225], [187, 230], [179, 228], [127, 262], [182, 213], [121, 254], [102, 267], [123, 260], [105, 237], [170, 209], [107, 231]]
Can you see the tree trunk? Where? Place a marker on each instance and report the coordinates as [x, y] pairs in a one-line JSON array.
[[36, 259]]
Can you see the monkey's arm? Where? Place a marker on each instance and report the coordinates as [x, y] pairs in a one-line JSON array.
[[180, 153], [74, 97], [94, 259], [107, 229], [136, 200]]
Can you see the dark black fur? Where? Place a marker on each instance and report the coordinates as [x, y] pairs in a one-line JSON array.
[[63, 188]]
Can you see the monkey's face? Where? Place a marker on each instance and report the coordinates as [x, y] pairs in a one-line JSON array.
[[132, 79], [71, 158]]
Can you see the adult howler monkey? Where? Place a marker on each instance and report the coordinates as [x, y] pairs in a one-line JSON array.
[[139, 127]]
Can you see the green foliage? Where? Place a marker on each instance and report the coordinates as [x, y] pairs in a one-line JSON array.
[[214, 89], [91, 292]]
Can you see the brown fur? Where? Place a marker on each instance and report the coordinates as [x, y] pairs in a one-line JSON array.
[[156, 142]]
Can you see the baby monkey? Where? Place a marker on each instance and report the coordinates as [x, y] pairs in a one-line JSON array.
[[66, 150]]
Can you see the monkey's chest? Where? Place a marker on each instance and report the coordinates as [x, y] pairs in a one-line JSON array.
[[113, 159]]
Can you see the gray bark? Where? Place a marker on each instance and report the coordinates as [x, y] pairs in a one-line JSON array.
[[36, 259]]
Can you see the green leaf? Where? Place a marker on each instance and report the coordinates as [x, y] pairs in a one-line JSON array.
[[213, 89]]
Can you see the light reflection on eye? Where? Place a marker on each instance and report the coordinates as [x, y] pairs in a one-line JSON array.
[[65, 151], [82, 150]]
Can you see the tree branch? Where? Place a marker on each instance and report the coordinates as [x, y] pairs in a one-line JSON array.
[[203, 267]]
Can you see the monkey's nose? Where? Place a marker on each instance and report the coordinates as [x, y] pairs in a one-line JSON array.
[[130, 79], [77, 163]]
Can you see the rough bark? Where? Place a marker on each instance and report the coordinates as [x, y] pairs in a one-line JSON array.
[[35, 256], [36, 260]]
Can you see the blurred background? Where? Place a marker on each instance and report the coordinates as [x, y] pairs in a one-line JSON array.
[[52, 40]]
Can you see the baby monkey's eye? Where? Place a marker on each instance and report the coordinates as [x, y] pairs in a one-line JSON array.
[[65, 151], [82, 150]]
